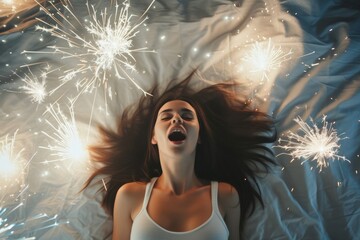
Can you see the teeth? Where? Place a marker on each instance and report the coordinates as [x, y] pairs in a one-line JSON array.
[[176, 130]]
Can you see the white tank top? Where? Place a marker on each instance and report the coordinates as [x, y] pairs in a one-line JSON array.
[[145, 228]]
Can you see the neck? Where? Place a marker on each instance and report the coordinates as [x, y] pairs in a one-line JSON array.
[[178, 175]]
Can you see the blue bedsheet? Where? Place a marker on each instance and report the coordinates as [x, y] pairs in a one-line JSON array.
[[297, 60]]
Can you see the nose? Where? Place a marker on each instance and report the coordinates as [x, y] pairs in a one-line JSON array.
[[177, 119]]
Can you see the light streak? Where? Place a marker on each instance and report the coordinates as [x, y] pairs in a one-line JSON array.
[[101, 47], [11, 227], [66, 144], [6, 227], [313, 143], [104, 184], [15, 224], [262, 59]]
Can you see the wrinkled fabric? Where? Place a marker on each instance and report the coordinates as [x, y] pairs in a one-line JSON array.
[[319, 75]]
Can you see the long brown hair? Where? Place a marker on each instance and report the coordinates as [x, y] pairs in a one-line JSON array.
[[234, 142]]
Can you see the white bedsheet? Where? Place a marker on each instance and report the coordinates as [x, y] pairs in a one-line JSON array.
[[316, 73]]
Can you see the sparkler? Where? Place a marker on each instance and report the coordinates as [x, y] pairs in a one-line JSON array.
[[68, 145], [11, 161], [314, 144], [263, 58], [35, 87], [102, 46]]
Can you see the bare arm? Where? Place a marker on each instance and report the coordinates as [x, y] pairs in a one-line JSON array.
[[230, 202], [122, 221]]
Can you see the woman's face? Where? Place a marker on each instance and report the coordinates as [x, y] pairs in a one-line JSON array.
[[176, 128]]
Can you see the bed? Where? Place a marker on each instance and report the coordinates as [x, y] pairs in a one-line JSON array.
[[68, 66]]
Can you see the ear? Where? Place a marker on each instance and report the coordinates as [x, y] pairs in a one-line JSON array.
[[153, 140]]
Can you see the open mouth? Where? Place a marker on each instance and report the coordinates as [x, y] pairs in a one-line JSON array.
[[177, 136]]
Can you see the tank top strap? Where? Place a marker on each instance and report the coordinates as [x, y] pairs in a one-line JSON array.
[[148, 190], [214, 197]]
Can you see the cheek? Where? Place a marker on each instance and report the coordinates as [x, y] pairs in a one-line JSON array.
[[158, 131], [196, 131]]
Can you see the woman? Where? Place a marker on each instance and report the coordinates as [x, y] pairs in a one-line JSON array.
[[182, 164]]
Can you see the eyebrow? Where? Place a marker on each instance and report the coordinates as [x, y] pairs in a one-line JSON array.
[[170, 110]]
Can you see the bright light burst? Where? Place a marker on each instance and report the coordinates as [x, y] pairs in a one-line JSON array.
[[313, 143], [13, 169], [66, 142], [101, 47], [11, 161], [263, 58]]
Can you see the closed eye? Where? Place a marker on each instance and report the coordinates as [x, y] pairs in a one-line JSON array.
[[165, 118], [187, 116]]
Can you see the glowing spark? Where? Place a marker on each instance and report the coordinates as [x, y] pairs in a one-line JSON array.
[[35, 87], [11, 161], [68, 144], [314, 144], [262, 59], [104, 50]]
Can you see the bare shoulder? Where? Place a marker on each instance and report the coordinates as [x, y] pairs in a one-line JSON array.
[[130, 197], [132, 188], [127, 202], [131, 191], [228, 196]]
